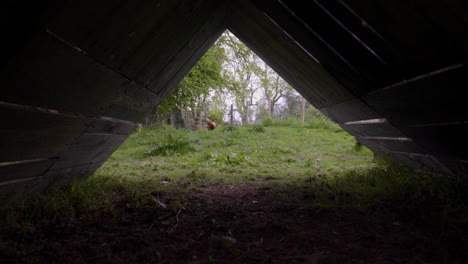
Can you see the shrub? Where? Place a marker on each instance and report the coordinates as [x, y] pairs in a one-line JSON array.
[[321, 122], [170, 142], [257, 128], [229, 128], [267, 121]]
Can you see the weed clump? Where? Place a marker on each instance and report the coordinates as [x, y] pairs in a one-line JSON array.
[[171, 142], [316, 121], [257, 129], [229, 128]]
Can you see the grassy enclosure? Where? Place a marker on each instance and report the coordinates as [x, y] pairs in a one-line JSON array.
[[236, 154], [171, 195]]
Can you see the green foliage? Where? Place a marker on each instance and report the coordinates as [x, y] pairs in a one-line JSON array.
[[290, 151], [317, 122], [357, 147], [226, 158], [257, 129], [389, 186], [196, 86], [171, 142], [229, 128], [267, 121], [321, 122], [216, 114]]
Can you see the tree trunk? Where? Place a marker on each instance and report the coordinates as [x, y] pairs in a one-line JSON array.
[[270, 106], [272, 109], [244, 119]]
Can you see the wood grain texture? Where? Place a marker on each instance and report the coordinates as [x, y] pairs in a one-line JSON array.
[[351, 110], [113, 31], [380, 129], [51, 74], [319, 19], [27, 134], [445, 141], [63, 176], [391, 144], [190, 53], [313, 42], [18, 171], [135, 38], [89, 148], [429, 99], [425, 36], [285, 56], [15, 191], [111, 126]]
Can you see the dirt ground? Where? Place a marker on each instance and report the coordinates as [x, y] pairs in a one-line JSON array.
[[223, 224]]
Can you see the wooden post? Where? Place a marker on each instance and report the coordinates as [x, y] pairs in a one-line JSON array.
[[232, 114]]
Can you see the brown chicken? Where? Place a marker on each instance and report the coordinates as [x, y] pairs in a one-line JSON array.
[[211, 124]]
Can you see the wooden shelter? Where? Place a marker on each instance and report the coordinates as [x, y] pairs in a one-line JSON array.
[[77, 76]]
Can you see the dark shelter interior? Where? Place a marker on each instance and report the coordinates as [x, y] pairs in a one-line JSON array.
[[78, 76]]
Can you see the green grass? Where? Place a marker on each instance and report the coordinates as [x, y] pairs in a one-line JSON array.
[[317, 122], [235, 155], [293, 160]]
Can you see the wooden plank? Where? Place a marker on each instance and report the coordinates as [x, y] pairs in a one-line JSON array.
[[89, 148], [21, 170], [175, 37], [133, 104], [448, 141], [459, 167], [18, 21], [357, 26], [389, 144], [285, 56], [311, 41], [53, 75], [351, 110], [135, 38], [450, 20], [63, 176], [188, 65], [429, 99], [191, 52], [421, 162], [421, 43], [27, 133], [371, 128], [14, 191], [345, 43], [415, 161], [111, 126], [112, 31], [50, 74]]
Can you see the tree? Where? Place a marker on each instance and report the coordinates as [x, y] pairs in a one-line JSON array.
[[193, 91], [293, 105], [241, 70], [274, 87]]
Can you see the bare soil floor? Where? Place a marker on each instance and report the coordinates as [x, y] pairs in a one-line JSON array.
[[226, 224]]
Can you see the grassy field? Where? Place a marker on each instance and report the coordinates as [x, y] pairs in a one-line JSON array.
[[280, 192], [233, 155]]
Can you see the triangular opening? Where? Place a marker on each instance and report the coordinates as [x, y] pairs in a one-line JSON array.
[[234, 118], [234, 85]]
